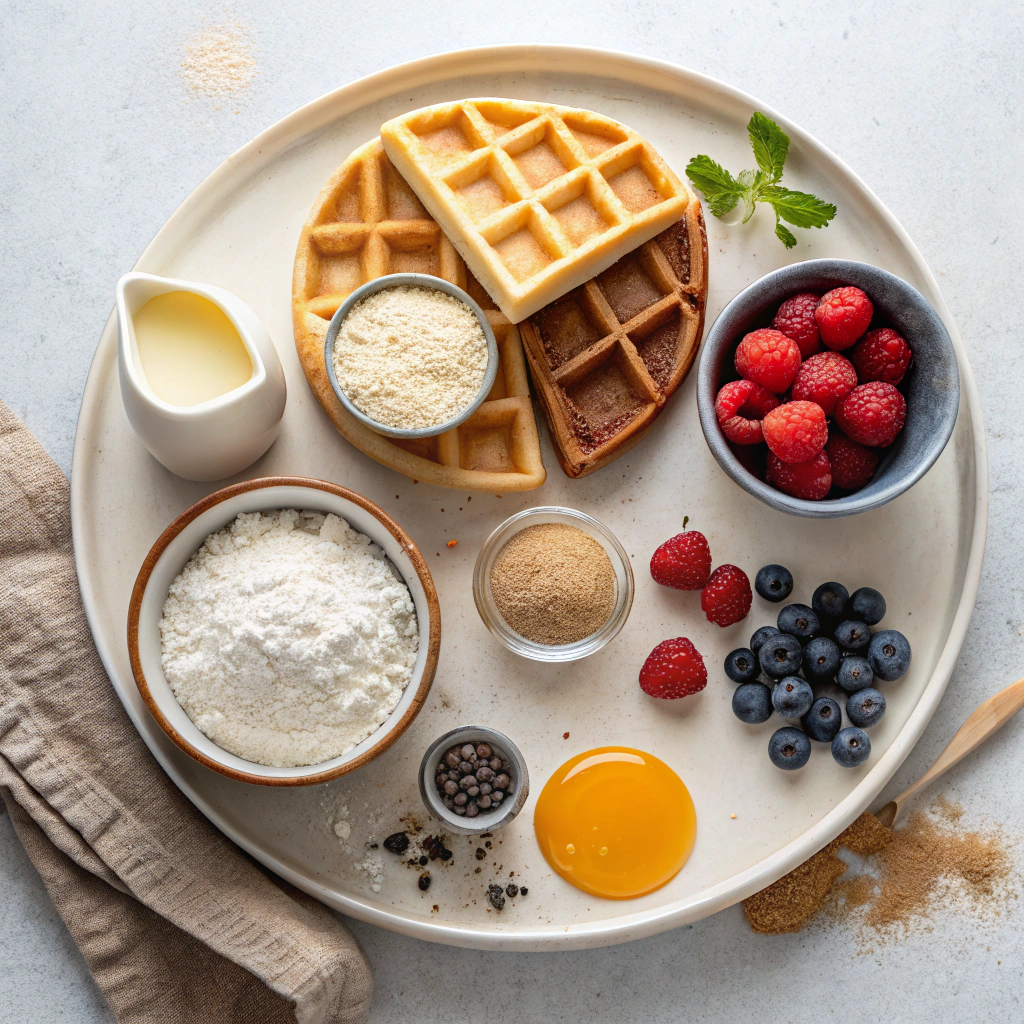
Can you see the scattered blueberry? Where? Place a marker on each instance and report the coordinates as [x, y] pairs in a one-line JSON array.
[[789, 748], [830, 599], [774, 582], [752, 703], [780, 655], [853, 635], [759, 637], [889, 654], [821, 659], [798, 620], [866, 605], [741, 665], [824, 720], [850, 748], [854, 674], [793, 697], [865, 708]]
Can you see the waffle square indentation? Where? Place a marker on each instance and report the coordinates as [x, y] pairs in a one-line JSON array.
[[628, 288], [522, 253], [658, 349], [601, 404], [565, 329]]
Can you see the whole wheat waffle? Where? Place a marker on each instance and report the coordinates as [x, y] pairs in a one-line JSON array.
[[536, 198], [365, 223], [607, 357]]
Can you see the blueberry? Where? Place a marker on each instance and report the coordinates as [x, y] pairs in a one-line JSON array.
[[866, 605], [741, 665], [789, 748], [824, 720], [829, 600], [752, 703], [854, 674], [865, 708], [780, 655], [774, 582], [889, 654], [853, 635], [793, 697], [759, 637], [851, 747], [821, 659], [798, 620]]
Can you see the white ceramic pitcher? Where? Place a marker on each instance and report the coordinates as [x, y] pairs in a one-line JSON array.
[[216, 438]]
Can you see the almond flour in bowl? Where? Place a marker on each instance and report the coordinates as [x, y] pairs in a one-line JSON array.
[[288, 638], [408, 358]]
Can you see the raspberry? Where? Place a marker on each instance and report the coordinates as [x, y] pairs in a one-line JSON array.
[[683, 561], [871, 414], [795, 319], [824, 379], [810, 480], [796, 431], [843, 315], [759, 404], [768, 358], [881, 355], [738, 429], [853, 465], [726, 597], [673, 669]]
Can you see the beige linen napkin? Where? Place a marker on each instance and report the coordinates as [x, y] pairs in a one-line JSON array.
[[175, 922]]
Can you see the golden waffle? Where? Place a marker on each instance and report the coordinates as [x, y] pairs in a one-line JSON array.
[[536, 198], [607, 357], [365, 223]]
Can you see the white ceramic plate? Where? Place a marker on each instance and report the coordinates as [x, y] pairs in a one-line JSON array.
[[239, 230]]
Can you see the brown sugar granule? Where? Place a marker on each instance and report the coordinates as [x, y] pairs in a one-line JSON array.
[[553, 584]]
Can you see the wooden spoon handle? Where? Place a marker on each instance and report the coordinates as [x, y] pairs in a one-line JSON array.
[[986, 719]]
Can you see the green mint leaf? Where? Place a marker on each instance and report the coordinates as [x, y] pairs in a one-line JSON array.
[[720, 188], [770, 144], [784, 235], [800, 209]]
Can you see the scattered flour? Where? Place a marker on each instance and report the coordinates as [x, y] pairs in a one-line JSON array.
[[219, 62], [288, 638], [411, 357]]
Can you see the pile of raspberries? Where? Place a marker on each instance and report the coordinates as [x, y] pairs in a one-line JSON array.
[[824, 417]]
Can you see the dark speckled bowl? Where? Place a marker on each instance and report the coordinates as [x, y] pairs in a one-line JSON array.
[[931, 387]]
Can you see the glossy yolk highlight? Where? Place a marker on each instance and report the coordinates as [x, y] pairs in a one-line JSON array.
[[615, 822]]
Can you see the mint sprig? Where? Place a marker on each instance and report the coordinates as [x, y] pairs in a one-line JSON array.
[[771, 147]]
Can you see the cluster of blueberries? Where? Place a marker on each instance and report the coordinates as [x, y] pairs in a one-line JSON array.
[[831, 640]]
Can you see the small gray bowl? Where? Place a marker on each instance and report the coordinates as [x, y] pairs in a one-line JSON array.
[[931, 386], [411, 281], [487, 821]]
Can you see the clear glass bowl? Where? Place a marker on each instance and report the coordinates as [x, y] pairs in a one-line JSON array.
[[488, 609]]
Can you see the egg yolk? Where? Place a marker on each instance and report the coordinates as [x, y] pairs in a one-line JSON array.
[[615, 822]]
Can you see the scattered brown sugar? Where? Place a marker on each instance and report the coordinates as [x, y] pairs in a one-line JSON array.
[[788, 904], [913, 872], [553, 584]]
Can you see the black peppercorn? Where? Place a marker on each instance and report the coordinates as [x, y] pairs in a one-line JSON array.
[[397, 842], [512, 890], [424, 882]]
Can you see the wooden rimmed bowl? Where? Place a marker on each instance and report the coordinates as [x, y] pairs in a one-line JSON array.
[[182, 539]]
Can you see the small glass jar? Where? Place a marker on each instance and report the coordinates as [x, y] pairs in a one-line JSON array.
[[493, 619]]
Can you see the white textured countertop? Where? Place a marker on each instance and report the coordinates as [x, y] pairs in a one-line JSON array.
[[102, 141]]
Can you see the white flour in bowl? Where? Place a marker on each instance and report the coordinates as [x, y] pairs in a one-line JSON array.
[[288, 638]]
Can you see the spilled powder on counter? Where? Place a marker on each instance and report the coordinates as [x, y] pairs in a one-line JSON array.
[[219, 62], [908, 876], [553, 584]]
